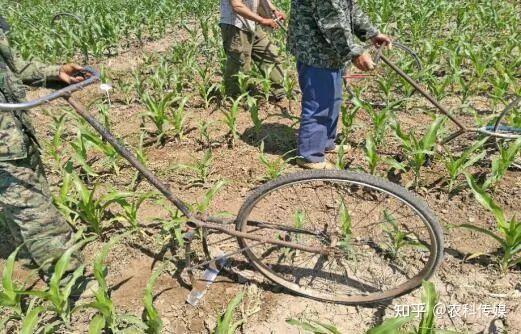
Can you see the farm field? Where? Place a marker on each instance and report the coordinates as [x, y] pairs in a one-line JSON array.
[[163, 60]]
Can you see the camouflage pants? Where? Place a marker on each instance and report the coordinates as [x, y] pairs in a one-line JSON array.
[[27, 211], [242, 48]]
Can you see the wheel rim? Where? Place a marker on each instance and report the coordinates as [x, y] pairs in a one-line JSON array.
[[304, 280]]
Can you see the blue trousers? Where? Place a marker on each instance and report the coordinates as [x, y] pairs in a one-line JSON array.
[[321, 103]]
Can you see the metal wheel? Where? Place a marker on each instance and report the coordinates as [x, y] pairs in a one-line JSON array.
[[382, 240]]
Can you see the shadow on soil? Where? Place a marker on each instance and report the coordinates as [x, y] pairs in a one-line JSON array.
[[278, 138]]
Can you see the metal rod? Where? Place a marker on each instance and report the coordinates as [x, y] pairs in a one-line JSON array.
[[249, 236], [129, 156], [64, 92], [423, 92], [453, 136]]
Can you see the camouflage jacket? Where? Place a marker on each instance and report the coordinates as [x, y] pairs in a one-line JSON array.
[[15, 127], [321, 32]]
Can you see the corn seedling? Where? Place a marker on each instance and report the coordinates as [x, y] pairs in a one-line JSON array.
[[208, 93], [31, 320], [157, 112], [103, 111], [289, 83], [55, 146], [347, 117], [345, 226], [371, 154], [457, 166], [342, 161], [9, 297], [80, 155], [207, 90], [173, 226], [426, 324], [299, 220], [142, 158], [202, 169], [380, 120], [226, 323], [60, 287], [274, 167], [397, 238], [107, 151], [130, 208], [508, 230], [151, 316], [265, 82], [243, 81], [92, 210], [253, 108], [205, 127], [230, 120], [208, 197], [64, 200], [418, 149], [107, 316], [126, 88], [178, 119], [500, 164]]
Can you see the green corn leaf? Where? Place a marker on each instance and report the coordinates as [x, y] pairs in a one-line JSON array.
[[31, 320], [74, 277], [332, 329], [8, 294], [134, 321], [486, 201], [225, 323], [391, 326], [429, 299], [308, 327], [152, 317], [395, 164], [99, 267], [97, 324], [484, 231], [61, 266], [429, 139]]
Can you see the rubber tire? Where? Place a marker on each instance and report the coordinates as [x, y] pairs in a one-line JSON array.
[[414, 202]]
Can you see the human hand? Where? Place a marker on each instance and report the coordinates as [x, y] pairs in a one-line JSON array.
[[69, 74], [270, 23], [279, 15], [382, 40], [364, 62]]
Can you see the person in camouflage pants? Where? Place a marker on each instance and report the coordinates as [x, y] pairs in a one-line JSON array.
[[321, 37], [26, 208], [244, 42]]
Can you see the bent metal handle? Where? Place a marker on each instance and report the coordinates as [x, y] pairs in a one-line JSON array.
[[194, 222], [95, 76], [129, 156], [416, 86]]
